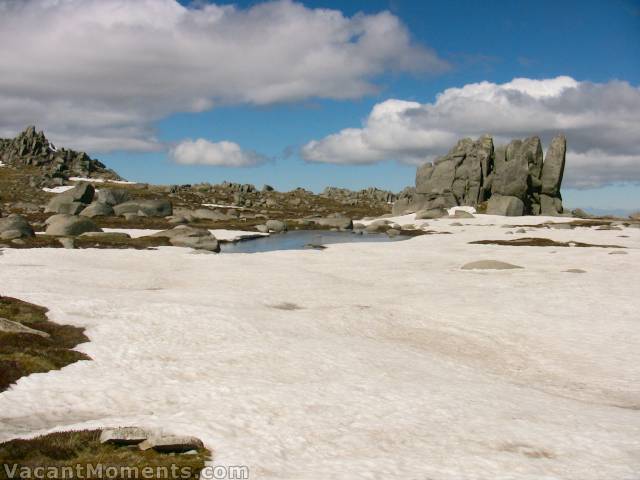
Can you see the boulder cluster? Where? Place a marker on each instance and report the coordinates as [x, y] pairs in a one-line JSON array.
[[350, 197], [510, 180], [32, 149], [82, 200]]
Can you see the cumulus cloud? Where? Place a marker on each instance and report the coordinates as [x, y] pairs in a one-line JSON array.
[[221, 154], [601, 121], [96, 74]]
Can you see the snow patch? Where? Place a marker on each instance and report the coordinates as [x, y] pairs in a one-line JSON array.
[[60, 189], [219, 205], [463, 208], [100, 180], [220, 234], [373, 370]]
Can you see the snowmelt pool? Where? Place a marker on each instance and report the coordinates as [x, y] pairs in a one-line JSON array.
[[303, 239]]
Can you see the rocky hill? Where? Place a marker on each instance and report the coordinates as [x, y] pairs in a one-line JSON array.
[[506, 180], [32, 149]]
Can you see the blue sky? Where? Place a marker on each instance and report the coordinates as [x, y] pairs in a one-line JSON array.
[[593, 42]]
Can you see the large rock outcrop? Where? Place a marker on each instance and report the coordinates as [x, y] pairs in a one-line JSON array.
[[512, 179], [31, 148]]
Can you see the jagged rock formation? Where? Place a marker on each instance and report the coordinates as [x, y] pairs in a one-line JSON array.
[[31, 148], [512, 179]]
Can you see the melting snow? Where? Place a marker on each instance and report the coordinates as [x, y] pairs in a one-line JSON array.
[[388, 362], [219, 205], [60, 189], [220, 234], [100, 180]]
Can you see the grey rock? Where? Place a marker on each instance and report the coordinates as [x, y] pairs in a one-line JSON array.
[[517, 167], [553, 168], [183, 231], [113, 196], [393, 232], [199, 243], [62, 204], [489, 265], [473, 171], [149, 208], [551, 206], [15, 223], [276, 226], [505, 205], [463, 214], [72, 201], [171, 444], [262, 228], [206, 214], [430, 214], [177, 220], [70, 225], [185, 236], [580, 213], [10, 234], [97, 209], [67, 242], [9, 326], [124, 435]]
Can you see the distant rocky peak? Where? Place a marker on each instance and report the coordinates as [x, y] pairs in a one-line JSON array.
[[31, 148]]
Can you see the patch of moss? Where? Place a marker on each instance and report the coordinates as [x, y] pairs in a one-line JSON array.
[[81, 448], [22, 354], [539, 242]]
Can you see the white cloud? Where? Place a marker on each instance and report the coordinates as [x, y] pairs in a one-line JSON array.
[[221, 154], [601, 121], [97, 73]]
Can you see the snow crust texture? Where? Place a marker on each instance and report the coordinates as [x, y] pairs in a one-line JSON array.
[[369, 360]]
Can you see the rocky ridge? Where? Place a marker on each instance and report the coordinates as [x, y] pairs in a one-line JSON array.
[[32, 149], [508, 180]]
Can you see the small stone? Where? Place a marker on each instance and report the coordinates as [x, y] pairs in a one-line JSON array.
[[489, 265]]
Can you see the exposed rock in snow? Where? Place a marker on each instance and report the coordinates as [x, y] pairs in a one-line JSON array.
[[10, 326], [489, 265]]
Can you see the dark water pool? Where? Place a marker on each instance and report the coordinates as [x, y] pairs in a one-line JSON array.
[[303, 239]]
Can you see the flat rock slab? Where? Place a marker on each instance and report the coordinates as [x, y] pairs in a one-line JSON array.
[[171, 444], [125, 435], [489, 265], [10, 326]]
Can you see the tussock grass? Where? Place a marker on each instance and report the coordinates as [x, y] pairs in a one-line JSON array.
[[22, 354], [82, 448], [539, 242]]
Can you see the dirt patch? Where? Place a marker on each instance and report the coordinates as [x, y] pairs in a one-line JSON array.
[[289, 306], [539, 242], [22, 354]]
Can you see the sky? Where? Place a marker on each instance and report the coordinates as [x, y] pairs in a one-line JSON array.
[[316, 93]]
